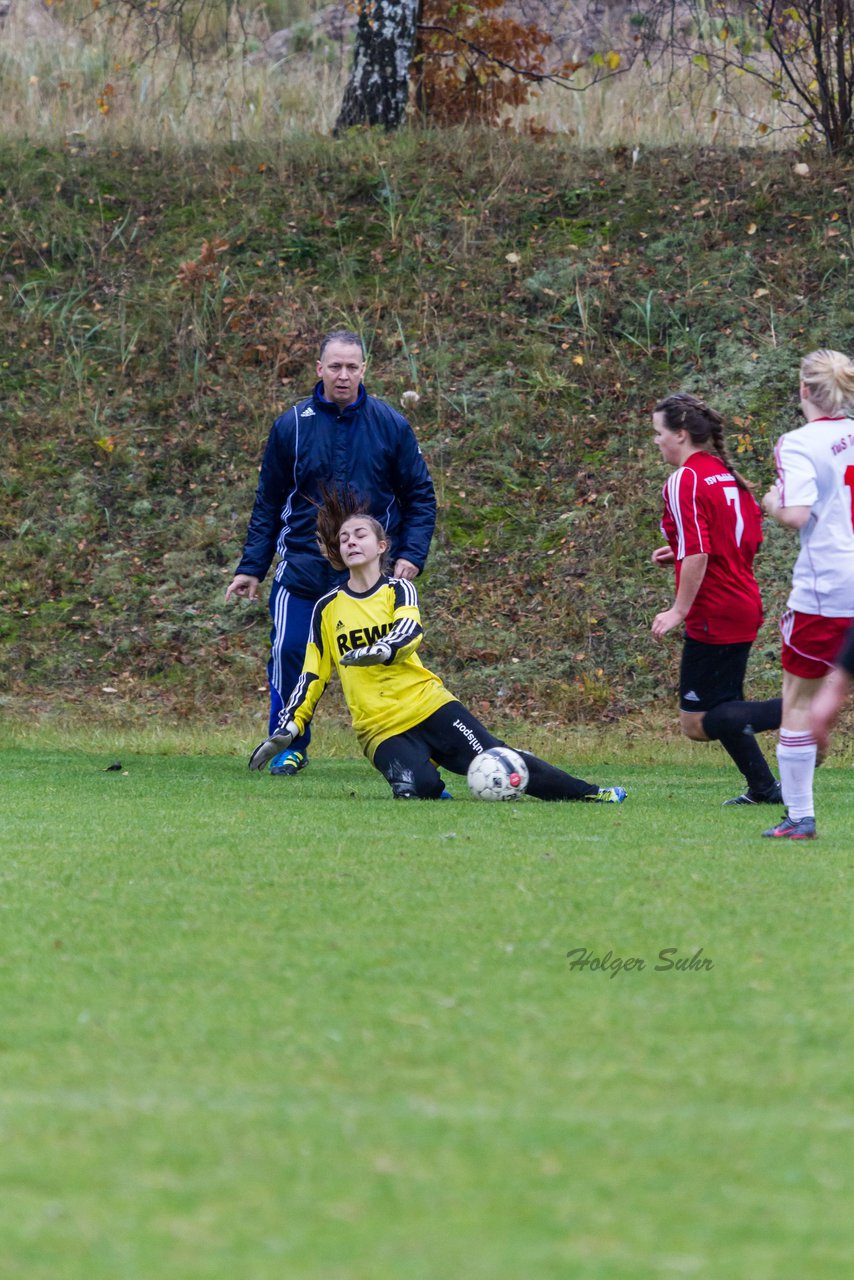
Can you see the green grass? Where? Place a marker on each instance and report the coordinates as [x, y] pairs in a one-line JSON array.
[[265, 1028]]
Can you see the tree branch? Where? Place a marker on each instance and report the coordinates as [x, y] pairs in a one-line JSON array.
[[539, 77]]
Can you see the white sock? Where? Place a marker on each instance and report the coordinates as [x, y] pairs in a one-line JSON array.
[[796, 753]]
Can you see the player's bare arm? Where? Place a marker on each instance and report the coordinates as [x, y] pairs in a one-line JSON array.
[[788, 517], [690, 581]]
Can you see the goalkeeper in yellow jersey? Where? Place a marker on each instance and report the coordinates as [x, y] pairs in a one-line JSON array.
[[405, 719]]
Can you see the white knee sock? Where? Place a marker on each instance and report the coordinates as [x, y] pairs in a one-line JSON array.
[[796, 753]]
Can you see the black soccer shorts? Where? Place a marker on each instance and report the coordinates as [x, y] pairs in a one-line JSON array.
[[711, 674]]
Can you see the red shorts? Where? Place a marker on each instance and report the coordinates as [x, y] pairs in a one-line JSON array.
[[811, 643]]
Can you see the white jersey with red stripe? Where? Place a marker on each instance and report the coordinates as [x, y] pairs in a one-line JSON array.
[[816, 469]]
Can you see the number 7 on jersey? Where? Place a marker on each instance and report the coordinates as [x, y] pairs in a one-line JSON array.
[[732, 497]]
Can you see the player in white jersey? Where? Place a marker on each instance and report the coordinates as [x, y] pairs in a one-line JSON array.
[[815, 495]]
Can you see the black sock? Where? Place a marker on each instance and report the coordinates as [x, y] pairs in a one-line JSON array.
[[546, 782], [730, 718], [733, 725], [744, 750]]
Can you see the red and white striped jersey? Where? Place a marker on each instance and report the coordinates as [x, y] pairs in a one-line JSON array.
[[707, 513]]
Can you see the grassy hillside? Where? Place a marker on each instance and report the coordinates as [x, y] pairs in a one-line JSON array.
[[539, 300]]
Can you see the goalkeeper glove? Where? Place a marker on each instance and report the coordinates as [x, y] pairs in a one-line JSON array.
[[279, 741], [370, 655]]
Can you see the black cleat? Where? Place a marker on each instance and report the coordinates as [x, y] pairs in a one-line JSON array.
[[774, 796]]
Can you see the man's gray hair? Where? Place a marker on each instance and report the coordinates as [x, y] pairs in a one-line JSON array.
[[346, 336]]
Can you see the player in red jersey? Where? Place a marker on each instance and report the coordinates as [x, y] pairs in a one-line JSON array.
[[713, 528]]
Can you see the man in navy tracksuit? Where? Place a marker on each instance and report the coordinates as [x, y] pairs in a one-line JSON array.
[[339, 438]]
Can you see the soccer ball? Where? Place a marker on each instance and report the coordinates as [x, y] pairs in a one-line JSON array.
[[498, 774]]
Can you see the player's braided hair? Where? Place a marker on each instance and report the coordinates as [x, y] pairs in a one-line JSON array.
[[684, 412], [335, 508]]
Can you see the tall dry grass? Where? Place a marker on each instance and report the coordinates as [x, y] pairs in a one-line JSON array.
[[96, 82], [663, 106], [68, 80]]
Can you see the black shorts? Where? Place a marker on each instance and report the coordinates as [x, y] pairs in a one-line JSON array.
[[451, 738], [711, 674]]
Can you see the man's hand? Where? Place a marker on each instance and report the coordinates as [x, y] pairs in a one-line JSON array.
[[242, 584], [662, 555], [279, 741], [405, 569], [368, 656]]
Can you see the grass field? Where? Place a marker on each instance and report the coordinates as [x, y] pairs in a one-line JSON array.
[[261, 1028]]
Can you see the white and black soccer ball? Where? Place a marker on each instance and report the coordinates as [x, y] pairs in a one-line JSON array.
[[498, 774]]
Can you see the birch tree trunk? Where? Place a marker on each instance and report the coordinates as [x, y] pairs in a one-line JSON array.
[[378, 89]]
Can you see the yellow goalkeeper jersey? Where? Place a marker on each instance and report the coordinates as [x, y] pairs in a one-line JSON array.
[[383, 700]]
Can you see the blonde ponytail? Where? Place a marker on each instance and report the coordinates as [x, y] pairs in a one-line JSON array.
[[829, 379]]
